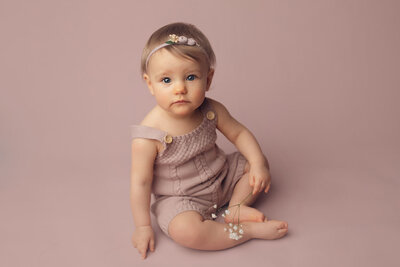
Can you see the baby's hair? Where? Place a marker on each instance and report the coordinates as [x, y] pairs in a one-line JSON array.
[[191, 52]]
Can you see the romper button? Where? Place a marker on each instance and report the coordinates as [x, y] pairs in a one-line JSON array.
[[168, 139], [210, 115]]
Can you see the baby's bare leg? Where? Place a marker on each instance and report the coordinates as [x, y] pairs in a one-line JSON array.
[[240, 193], [189, 229], [243, 189]]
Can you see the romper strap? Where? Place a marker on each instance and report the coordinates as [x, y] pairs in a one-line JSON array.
[[141, 131], [208, 111]]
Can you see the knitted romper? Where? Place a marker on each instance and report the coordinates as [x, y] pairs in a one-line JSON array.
[[192, 172]]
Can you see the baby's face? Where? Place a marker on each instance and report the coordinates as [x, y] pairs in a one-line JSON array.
[[178, 84]]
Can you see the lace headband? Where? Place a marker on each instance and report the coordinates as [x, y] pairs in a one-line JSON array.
[[173, 39]]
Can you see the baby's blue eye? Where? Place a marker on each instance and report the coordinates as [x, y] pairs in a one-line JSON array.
[[166, 80], [190, 77]]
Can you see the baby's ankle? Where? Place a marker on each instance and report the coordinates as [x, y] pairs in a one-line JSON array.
[[246, 214], [248, 230]]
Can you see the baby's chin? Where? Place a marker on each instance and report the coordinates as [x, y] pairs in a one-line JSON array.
[[183, 112]]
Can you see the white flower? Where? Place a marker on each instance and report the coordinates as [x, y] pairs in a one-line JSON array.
[[215, 206], [235, 231], [235, 236], [213, 216]]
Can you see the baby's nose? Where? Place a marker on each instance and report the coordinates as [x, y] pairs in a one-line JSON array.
[[180, 88]]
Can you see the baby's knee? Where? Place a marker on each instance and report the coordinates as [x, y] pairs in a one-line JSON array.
[[185, 229]]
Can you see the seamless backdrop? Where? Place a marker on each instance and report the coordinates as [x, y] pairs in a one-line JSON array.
[[317, 82]]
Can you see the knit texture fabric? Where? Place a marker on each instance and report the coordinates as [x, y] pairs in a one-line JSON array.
[[183, 147], [192, 172]]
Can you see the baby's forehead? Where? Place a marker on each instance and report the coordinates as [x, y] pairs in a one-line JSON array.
[[165, 61], [164, 54]]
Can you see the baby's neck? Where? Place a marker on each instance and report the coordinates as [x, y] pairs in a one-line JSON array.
[[181, 125]]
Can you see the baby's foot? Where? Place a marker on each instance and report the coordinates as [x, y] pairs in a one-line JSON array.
[[247, 214], [270, 229]]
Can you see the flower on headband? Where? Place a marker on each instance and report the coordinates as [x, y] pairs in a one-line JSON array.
[[174, 39], [182, 39]]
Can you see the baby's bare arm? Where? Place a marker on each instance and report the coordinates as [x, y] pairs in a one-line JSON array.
[[144, 152], [239, 135], [246, 143]]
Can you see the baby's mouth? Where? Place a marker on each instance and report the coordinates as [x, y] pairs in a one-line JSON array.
[[180, 102]]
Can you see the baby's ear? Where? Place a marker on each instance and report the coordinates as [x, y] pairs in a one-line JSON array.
[[210, 76], [146, 78]]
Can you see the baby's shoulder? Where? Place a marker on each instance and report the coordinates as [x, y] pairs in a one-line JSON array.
[[219, 108], [150, 126]]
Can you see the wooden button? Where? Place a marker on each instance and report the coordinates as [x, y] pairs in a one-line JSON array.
[[168, 139], [210, 115]]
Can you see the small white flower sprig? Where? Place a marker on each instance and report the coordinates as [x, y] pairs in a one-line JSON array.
[[235, 229]]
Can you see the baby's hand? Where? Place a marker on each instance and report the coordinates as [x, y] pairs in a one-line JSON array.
[[259, 178], [142, 239]]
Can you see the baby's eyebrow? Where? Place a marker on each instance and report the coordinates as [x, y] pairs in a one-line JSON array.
[[168, 73], [190, 71], [194, 70], [162, 74]]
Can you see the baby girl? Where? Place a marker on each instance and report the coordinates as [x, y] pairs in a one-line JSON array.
[[174, 155]]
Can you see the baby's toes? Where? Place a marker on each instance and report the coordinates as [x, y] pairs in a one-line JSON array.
[[282, 225], [282, 232], [282, 229]]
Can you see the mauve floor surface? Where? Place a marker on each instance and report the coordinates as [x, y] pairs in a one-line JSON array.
[[317, 82], [344, 213]]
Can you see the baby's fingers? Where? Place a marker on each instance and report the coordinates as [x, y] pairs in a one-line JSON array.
[[267, 189], [142, 251], [256, 187], [251, 181], [152, 244]]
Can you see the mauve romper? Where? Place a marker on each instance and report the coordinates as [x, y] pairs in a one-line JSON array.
[[192, 172]]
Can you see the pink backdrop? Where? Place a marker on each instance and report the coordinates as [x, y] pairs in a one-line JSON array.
[[316, 81]]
